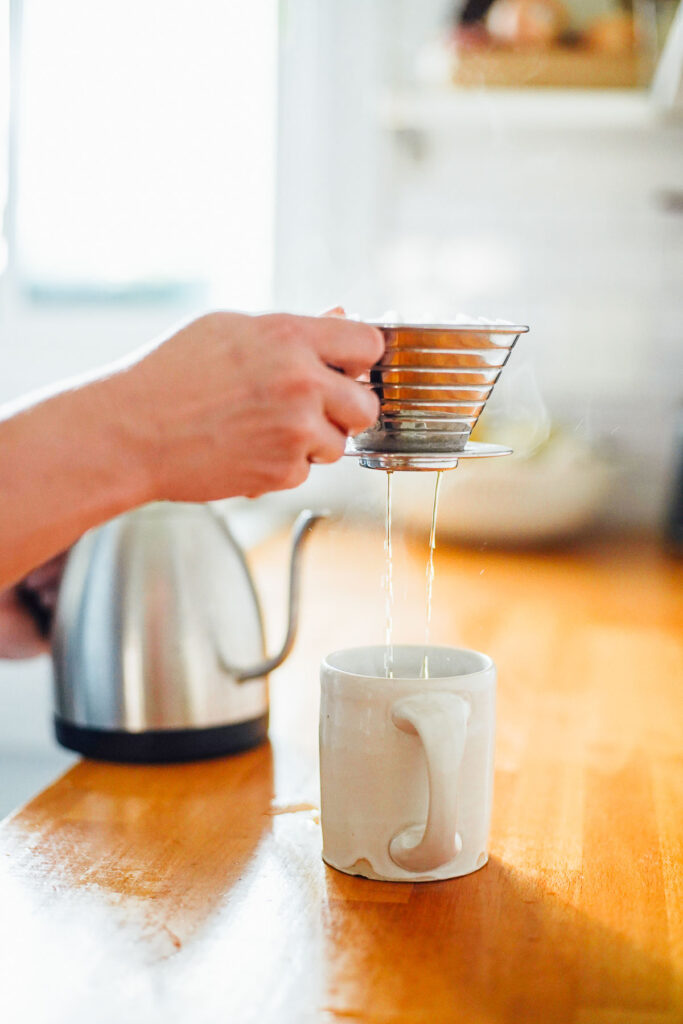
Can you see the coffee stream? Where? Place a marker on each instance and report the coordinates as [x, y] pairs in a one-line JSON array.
[[430, 574], [389, 583], [388, 589]]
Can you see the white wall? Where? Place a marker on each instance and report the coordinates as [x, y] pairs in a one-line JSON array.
[[552, 211]]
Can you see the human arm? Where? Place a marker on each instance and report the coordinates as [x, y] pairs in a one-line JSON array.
[[229, 405]]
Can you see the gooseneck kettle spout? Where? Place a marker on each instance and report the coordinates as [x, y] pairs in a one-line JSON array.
[[303, 525]]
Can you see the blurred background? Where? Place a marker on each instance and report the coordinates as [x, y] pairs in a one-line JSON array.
[[520, 159]]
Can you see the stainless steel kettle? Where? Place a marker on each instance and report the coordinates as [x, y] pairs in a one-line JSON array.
[[158, 644]]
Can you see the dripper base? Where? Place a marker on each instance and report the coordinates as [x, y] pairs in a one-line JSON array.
[[423, 461]]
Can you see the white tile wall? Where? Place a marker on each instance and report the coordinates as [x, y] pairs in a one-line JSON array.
[[548, 209]]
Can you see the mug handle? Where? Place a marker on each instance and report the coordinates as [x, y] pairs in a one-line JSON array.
[[440, 720]]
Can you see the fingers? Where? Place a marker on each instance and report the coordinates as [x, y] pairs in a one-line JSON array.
[[351, 346], [348, 404], [329, 444]]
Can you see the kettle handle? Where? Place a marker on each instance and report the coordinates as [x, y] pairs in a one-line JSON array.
[[305, 521]]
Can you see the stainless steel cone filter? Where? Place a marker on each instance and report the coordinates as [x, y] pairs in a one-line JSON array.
[[433, 382]]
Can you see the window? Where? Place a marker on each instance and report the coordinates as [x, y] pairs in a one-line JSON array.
[[146, 149]]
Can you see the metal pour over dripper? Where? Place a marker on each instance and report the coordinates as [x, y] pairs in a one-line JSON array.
[[433, 382]]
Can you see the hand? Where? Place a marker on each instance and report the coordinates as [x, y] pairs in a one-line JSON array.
[[241, 405], [26, 611]]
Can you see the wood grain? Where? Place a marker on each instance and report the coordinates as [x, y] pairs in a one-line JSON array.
[[197, 892]]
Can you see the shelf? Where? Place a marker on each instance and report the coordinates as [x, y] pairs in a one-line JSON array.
[[548, 109]]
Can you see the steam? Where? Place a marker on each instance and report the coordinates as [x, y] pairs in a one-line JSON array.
[[516, 411]]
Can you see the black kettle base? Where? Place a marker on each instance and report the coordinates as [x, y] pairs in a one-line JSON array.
[[161, 745]]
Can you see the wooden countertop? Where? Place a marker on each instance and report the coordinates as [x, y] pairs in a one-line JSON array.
[[196, 893]]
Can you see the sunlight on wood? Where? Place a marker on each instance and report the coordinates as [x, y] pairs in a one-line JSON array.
[[197, 892]]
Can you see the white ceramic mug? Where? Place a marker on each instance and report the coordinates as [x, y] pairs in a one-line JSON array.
[[406, 763]]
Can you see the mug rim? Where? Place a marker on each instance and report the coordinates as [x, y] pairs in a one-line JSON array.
[[486, 665]]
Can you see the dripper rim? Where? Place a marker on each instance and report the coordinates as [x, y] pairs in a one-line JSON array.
[[479, 328]]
